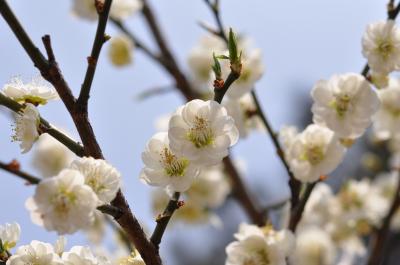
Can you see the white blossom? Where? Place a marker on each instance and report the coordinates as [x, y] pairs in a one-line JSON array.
[[35, 253], [387, 120], [63, 203], [252, 71], [314, 246], [202, 131], [59, 246], [200, 59], [35, 92], [26, 127], [50, 156], [121, 50], [79, 255], [287, 135], [381, 46], [345, 104], [314, 152], [263, 246], [163, 167], [120, 9], [103, 178], [244, 112], [9, 235]]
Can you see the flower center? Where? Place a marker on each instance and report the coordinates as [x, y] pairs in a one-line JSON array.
[[341, 104], [63, 201], [385, 48], [96, 186], [201, 134], [173, 165], [314, 154], [259, 257]]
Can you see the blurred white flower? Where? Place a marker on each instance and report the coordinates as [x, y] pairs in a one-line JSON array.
[[200, 60], [79, 255], [103, 178], [244, 112], [120, 9], [387, 120], [314, 246], [63, 203], [345, 104], [9, 235], [26, 127], [381, 46], [257, 245], [35, 92], [202, 131], [210, 188], [96, 231], [121, 50], [50, 156], [287, 135], [162, 167], [252, 71], [35, 253], [379, 80], [314, 152]]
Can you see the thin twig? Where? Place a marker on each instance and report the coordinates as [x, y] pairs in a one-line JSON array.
[[163, 219], [297, 212], [45, 127], [92, 60], [219, 93], [380, 235], [294, 184]]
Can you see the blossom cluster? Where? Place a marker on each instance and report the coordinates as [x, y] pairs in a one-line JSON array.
[[42, 253]]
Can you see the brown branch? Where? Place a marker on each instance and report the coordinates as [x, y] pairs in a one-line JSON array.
[[170, 64], [164, 218], [45, 127], [219, 93], [297, 212], [242, 195], [189, 93], [52, 73], [380, 235], [294, 184], [99, 40]]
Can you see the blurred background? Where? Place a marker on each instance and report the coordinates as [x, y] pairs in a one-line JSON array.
[[301, 41]]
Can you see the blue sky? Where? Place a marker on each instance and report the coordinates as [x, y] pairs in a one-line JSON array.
[[302, 42]]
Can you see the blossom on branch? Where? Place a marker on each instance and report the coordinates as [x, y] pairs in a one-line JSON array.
[[26, 127], [165, 168], [103, 178], [63, 203], [121, 50], [202, 131], [9, 235], [35, 253], [35, 92], [381, 46], [257, 245], [313, 153], [345, 104]]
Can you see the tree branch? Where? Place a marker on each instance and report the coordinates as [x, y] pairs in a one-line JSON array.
[[219, 93], [294, 184], [52, 73], [99, 40], [45, 127], [163, 219], [297, 212], [380, 235]]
